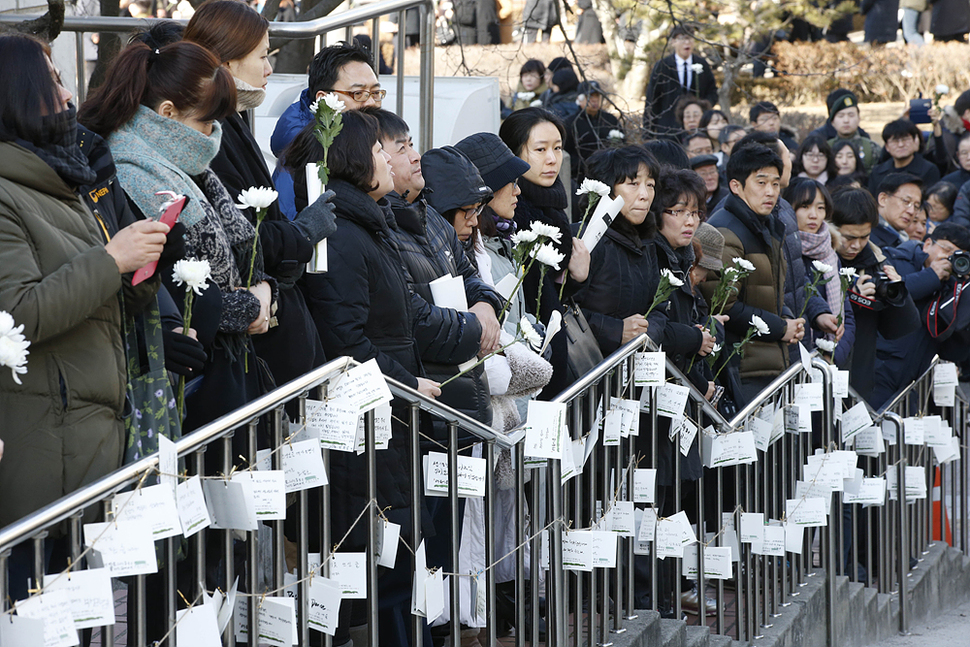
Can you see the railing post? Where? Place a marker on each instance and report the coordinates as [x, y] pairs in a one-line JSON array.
[[372, 516], [903, 530], [426, 140], [454, 589], [417, 623]]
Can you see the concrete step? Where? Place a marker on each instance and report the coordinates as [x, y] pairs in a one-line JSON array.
[[673, 633], [643, 631], [698, 636], [718, 640]]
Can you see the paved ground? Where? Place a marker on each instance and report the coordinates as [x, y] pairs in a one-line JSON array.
[[950, 629]]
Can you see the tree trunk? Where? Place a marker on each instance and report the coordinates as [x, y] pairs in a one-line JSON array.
[[605, 14], [635, 83], [295, 55], [109, 44], [47, 27]]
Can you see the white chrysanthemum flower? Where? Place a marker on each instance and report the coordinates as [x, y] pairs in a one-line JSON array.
[[744, 264], [314, 106], [530, 334], [616, 134], [13, 346], [849, 272], [759, 324], [671, 278], [549, 231], [526, 96], [942, 89], [697, 67], [524, 236], [821, 267], [716, 349], [334, 102], [547, 255], [826, 345], [256, 197], [593, 186], [535, 104], [193, 273]]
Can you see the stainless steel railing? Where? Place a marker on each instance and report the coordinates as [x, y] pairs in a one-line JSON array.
[[597, 602], [80, 25]]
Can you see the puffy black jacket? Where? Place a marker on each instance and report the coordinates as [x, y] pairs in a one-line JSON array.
[[430, 249], [362, 308], [292, 347]]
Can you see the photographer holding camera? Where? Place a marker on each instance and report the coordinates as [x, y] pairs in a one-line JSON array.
[[936, 273], [880, 302]]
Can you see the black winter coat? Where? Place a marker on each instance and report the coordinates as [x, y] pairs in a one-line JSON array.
[[681, 341], [664, 90], [881, 20], [362, 307], [920, 167], [951, 18], [897, 319], [585, 135], [293, 347], [430, 249]]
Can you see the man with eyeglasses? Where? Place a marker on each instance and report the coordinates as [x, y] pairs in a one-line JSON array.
[[899, 198], [904, 143], [927, 268], [880, 302], [344, 69]]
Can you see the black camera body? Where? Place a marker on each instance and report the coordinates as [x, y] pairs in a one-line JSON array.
[[960, 263], [888, 292]]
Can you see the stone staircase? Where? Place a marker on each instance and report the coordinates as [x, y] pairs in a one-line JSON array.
[[862, 615]]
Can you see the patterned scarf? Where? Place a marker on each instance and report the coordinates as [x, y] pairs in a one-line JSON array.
[[818, 247]]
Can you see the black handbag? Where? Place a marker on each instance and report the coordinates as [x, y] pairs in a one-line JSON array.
[[583, 352]]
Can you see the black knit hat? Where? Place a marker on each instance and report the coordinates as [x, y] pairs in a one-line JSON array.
[[840, 100], [559, 63], [495, 161], [452, 179]]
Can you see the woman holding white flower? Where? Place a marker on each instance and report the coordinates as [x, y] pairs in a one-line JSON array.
[[160, 111], [813, 210], [536, 136], [59, 286], [239, 36]]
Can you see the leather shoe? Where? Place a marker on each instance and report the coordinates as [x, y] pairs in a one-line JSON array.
[[689, 603]]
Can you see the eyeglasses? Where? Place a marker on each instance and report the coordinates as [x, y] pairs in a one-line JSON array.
[[361, 96], [471, 213], [683, 213], [815, 157], [907, 203]]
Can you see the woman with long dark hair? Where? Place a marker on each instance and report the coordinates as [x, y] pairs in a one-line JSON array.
[[59, 279], [814, 160], [239, 36], [159, 110], [362, 309]]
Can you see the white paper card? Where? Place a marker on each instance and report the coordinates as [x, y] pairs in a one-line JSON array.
[[855, 420], [546, 424], [91, 598], [153, 505], [761, 431], [809, 395], [603, 548], [168, 463], [349, 571], [197, 627], [669, 539], [688, 431], [869, 442], [418, 602], [449, 292], [577, 551], [390, 536], [649, 369], [277, 621], [794, 538], [193, 512], [717, 563], [269, 492], [671, 400], [124, 549], [54, 608], [382, 429], [622, 519], [364, 387], [303, 465], [774, 542], [506, 286], [21, 631], [434, 595], [644, 485], [324, 605], [334, 422], [752, 527], [648, 525], [808, 512], [231, 504], [913, 431]]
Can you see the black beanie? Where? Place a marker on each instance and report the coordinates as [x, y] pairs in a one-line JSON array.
[[494, 160]]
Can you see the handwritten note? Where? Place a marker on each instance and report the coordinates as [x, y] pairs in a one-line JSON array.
[[364, 387], [334, 422], [644, 485], [349, 571], [123, 548], [269, 492], [671, 400], [193, 512], [546, 424], [54, 608], [649, 369], [324, 605], [153, 505], [303, 465], [90, 595]]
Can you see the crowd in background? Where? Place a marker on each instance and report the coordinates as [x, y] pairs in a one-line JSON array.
[[79, 202]]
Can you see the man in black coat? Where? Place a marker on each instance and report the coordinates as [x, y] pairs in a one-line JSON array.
[[589, 130], [672, 77], [904, 143]]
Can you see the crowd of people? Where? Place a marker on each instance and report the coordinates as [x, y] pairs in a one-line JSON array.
[[80, 198]]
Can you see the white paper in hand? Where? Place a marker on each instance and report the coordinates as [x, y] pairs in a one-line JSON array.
[[449, 292]]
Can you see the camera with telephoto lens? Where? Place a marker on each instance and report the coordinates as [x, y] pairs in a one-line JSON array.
[[960, 262], [887, 289]]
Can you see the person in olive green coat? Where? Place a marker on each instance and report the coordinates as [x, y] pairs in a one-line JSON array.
[[62, 424]]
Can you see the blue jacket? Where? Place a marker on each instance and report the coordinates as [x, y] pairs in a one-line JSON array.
[[900, 361], [288, 126], [884, 236], [848, 337]]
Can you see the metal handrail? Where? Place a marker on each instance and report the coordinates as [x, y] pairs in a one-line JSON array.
[[293, 30], [908, 389], [76, 501], [578, 387]]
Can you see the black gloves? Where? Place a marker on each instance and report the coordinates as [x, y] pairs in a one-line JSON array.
[[317, 220], [174, 249], [183, 355]]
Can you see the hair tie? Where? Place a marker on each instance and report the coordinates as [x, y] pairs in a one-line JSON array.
[[156, 52]]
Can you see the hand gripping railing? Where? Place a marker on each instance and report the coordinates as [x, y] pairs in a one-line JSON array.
[[80, 25]]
